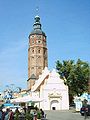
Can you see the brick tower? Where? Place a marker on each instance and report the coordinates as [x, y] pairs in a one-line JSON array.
[[37, 53]]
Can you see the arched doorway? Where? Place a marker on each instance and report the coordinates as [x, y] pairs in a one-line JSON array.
[[54, 105]]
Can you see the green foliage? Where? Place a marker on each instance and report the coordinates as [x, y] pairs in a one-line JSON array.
[[28, 116], [16, 116], [39, 115], [75, 75]]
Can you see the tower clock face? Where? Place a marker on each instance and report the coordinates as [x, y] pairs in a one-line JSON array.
[[39, 42]]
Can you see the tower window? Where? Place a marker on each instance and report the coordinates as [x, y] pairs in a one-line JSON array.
[[38, 51], [32, 36], [38, 37], [32, 41], [39, 67], [32, 51], [44, 38], [32, 68], [39, 41], [44, 52], [29, 45]]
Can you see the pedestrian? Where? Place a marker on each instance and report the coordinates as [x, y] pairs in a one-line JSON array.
[[17, 114], [11, 115], [1, 114], [7, 114], [85, 108], [42, 113]]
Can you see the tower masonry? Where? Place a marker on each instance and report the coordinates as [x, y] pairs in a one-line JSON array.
[[37, 53]]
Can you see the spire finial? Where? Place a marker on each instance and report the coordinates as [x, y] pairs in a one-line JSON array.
[[37, 10]]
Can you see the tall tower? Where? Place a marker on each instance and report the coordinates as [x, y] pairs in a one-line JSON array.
[[37, 53]]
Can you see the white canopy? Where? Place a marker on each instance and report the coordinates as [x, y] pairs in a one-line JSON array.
[[26, 99]]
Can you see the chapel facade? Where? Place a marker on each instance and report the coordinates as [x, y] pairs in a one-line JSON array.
[[51, 91]]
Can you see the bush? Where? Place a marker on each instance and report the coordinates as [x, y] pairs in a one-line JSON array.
[[28, 116], [38, 115]]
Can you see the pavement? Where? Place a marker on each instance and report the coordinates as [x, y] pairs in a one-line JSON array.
[[64, 115]]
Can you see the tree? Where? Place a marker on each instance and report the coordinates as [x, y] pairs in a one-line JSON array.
[[75, 75]]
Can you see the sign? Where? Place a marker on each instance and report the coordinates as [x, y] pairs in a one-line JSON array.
[[78, 105], [89, 96]]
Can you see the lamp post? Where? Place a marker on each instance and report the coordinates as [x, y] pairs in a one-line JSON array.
[[89, 86]]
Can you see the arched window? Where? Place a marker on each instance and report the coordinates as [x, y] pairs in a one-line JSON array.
[[39, 51], [32, 50]]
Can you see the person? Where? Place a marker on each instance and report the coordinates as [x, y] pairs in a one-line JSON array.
[[7, 114], [16, 114], [85, 108], [17, 111], [11, 115], [1, 113], [42, 113], [24, 109]]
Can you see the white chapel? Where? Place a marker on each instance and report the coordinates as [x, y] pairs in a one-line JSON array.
[[51, 90]]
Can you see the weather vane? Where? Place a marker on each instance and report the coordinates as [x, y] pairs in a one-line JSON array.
[[37, 10]]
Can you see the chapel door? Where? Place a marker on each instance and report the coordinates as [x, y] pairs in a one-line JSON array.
[[54, 105]]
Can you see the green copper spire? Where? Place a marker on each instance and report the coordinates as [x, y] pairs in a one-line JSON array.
[[37, 24], [37, 27]]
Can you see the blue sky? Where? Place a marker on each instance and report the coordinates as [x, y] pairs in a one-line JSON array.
[[65, 22]]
